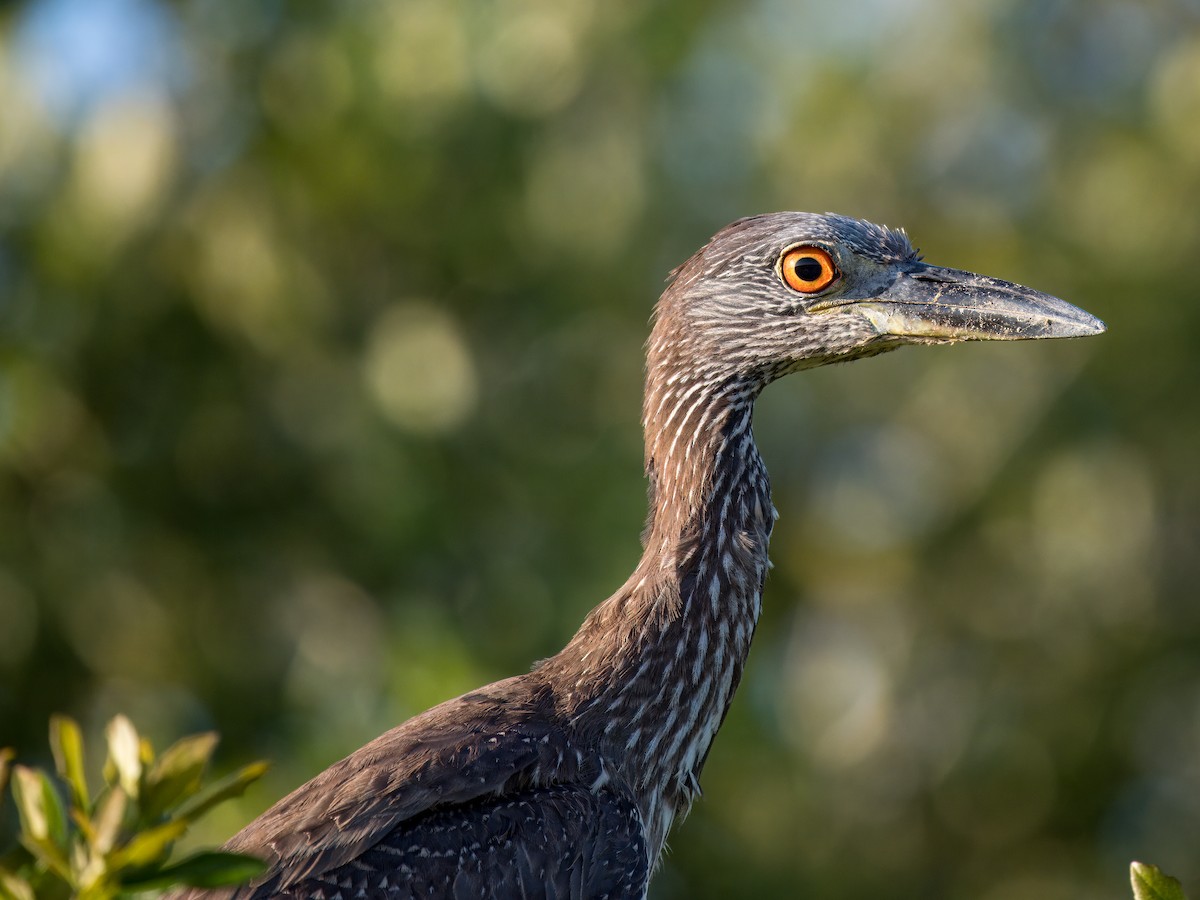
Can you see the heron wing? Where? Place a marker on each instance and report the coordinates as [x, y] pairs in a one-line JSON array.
[[474, 746], [559, 841]]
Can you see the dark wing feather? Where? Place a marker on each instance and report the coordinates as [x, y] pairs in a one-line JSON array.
[[562, 841], [473, 746]]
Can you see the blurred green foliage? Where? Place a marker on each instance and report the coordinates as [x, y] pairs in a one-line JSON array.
[[320, 348], [119, 842]]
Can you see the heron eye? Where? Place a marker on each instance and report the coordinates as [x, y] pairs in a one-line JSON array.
[[808, 269]]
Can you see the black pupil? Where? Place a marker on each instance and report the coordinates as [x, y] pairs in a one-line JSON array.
[[807, 268]]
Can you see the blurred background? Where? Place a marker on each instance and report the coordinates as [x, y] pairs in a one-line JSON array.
[[320, 370]]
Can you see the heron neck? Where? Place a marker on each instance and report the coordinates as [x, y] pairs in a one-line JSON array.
[[700, 452], [650, 674]]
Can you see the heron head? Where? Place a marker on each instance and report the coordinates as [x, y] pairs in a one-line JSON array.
[[784, 291]]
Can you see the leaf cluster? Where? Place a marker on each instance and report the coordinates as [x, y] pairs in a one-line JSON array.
[[119, 841]]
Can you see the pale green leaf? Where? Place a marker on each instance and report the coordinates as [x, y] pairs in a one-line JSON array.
[[110, 814], [43, 822], [124, 753], [14, 888], [39, 806], [1150, 883]]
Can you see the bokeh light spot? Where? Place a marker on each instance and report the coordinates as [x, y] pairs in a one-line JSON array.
[[836, 701], [531, 65], [421, 55], [586, 190], [125, 159], [419, 370]]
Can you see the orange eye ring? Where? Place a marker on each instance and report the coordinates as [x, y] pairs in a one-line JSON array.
[[808, 269]]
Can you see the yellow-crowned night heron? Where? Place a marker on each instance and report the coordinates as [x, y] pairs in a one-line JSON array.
[[565, 781]]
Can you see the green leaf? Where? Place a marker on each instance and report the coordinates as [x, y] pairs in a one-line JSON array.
[[66, 743], [14, 888], [147, 848], [124, 753], [211, 869], [39, 806], [1149, 883], [42, 822], [176, 775], [106, 824], [227, 788]]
